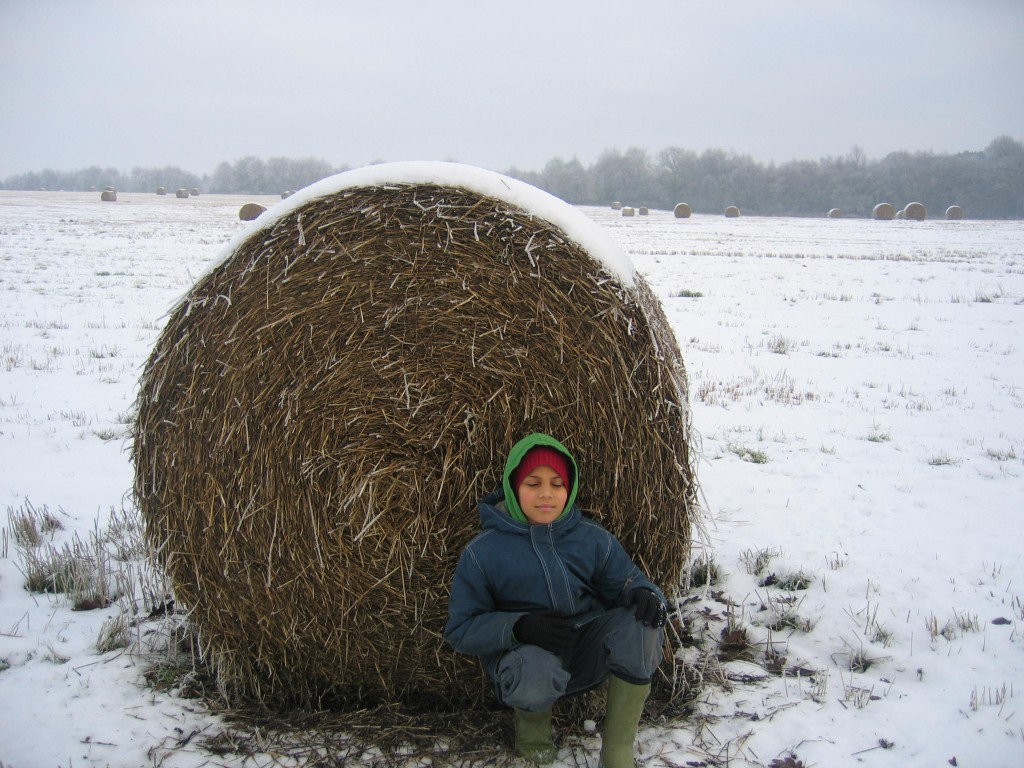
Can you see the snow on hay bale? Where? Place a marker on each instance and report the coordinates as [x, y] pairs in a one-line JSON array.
[[915, 212], [884, 212], [835, 213], [732, 212], [682, 211], [325, 406], [954, 213], [250, 211]]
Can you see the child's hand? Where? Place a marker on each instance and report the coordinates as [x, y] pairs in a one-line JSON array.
[[548, 629], [649, 608]]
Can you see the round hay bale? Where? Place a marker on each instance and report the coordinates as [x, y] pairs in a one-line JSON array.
[[682, 211], [616, 206], [628, 210], [161, 191], [915, 212], [901, 214], [250, 211], [194, 192], [732, 212], [954, 213], [309, 452], [108, 196], [181, 193], [835, 213], [884, 212], [643, 210], [287, 193]]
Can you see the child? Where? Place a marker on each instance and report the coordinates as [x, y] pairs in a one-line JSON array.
[[553, 606]]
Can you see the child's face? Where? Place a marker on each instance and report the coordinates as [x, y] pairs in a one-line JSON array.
[[542, 495]]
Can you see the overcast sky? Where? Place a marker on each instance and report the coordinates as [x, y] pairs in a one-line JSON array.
[[499, 84]]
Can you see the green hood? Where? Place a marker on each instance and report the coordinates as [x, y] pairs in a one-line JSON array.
[[516, 455]]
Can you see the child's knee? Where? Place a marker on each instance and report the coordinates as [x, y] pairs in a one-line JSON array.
[[635, 650], [530, 678]]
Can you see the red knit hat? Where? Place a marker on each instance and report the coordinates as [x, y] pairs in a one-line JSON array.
[[542, 456]]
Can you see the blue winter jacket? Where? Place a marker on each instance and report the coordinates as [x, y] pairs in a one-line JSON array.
[[572, 565]]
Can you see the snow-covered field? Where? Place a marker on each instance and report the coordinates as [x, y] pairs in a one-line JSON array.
[[858, 387]]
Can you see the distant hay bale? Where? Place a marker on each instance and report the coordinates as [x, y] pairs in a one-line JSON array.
[[628, 211], [181, 193], [108, 196], [732, 212], [884, 212], [194, 192], [835, 213], [250, 211], [161, 191], [616, 206], [954, 213], [287, 193], [324, 408], [915, 212], [901, 214], [643, 210], [682, 211]]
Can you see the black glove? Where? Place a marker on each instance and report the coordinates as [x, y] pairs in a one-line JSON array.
[[548, 629], [648, 607]]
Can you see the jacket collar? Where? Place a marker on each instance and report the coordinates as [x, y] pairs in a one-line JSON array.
[[494, 514]]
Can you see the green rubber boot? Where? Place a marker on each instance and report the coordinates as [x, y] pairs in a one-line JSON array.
[[533, 736], [622, 718]]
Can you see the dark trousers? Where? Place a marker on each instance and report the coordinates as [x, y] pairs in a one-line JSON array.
[[529, 677]]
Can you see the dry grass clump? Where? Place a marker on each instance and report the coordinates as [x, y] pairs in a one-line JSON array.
[[29, 525], [915, 212], [682, 211], [884, 212], [954, 213], [250, 211], [79, 570], [732, 212], [325, 407]]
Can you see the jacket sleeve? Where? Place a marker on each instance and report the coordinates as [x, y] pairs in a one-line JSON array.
[[474, 625], [619, 575]]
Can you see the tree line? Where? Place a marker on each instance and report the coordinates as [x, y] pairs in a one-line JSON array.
[[247, 176], [987, 184]]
